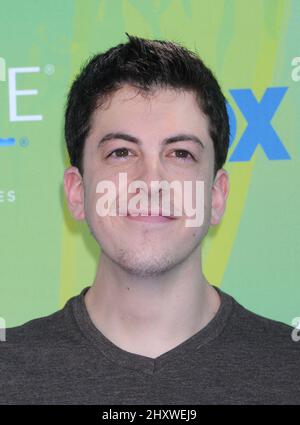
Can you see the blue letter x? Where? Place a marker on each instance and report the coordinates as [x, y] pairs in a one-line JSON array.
[[259, 129]]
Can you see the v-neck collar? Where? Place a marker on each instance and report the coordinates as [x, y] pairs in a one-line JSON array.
[[139, 362]]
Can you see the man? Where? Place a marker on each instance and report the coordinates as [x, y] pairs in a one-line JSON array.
[[150, 329]]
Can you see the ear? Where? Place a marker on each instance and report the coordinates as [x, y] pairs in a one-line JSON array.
[[220, 191], [73, 186]]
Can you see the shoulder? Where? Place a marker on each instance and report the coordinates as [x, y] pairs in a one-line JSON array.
[[29, 353], [47, 331], [261, 333], [36, 329], [33, 349]]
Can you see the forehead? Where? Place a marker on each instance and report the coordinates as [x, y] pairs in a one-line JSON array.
[[161, 111]]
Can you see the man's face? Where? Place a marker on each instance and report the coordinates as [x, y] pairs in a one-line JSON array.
[[141, 247]]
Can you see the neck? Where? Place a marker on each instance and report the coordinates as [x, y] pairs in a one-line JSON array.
[[149, 316]]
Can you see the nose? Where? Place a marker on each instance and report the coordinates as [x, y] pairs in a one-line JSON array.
[[156, 194], [152, 170]]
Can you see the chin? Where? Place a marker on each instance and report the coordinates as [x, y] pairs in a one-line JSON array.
[[145, 266]]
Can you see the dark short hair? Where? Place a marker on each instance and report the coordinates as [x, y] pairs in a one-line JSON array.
[[145, 65]]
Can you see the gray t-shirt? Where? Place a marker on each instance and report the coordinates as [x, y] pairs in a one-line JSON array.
[[238, 358]]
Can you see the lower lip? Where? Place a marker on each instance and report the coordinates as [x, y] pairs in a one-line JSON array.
[[150, 219]]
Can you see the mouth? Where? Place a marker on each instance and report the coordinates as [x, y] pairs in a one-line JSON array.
[[148, 218]]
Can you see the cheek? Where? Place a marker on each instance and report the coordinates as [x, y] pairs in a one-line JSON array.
[[207, 198], [201, 209], [90, 203], [207, 207]]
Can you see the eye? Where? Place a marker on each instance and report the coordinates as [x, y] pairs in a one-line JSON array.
[[120, 153], [183, 155]]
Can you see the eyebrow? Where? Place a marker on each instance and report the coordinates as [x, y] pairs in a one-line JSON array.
[[166, 141]]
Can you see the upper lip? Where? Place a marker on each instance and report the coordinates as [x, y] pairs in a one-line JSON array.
[[148, 213]]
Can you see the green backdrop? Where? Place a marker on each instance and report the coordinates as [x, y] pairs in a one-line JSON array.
[[252, 47]]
